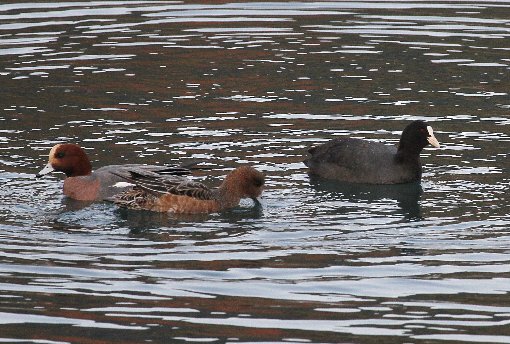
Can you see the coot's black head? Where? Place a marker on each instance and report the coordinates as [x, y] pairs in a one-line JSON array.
[[415, 137]]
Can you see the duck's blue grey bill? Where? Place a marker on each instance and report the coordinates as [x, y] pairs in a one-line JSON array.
[[47, 169]]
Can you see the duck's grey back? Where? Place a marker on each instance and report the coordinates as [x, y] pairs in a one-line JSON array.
[[111, 184]]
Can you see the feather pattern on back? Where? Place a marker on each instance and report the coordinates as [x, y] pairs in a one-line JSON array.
[[158, 185], [135, 198]]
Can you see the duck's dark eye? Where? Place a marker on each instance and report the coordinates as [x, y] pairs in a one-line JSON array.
[[60, 155], [258, 182]]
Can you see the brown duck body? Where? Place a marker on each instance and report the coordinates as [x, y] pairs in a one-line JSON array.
[[182, 196]]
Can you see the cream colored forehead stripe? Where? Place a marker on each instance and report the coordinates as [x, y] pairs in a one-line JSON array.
[[53, 150], [431, 132]]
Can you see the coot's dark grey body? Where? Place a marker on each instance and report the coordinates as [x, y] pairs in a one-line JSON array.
[[361, 161], [340, 159]]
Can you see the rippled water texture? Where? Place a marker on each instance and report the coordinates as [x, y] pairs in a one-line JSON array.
[[257, 83]]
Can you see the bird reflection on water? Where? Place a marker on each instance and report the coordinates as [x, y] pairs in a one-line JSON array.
[[139, 221], [407, 195]]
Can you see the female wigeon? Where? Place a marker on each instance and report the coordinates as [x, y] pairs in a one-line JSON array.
[[180, 195], [84, 185], [360, 161]]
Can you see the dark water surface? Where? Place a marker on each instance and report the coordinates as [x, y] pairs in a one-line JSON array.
[[257, 83]]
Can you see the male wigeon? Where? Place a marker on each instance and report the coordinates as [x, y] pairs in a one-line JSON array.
[[180, 195], [361, 161], [83, 184]]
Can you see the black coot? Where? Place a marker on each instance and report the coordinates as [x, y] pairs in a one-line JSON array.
[[360, 161]]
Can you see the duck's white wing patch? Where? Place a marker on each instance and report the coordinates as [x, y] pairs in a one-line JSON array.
[[122, 185]]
